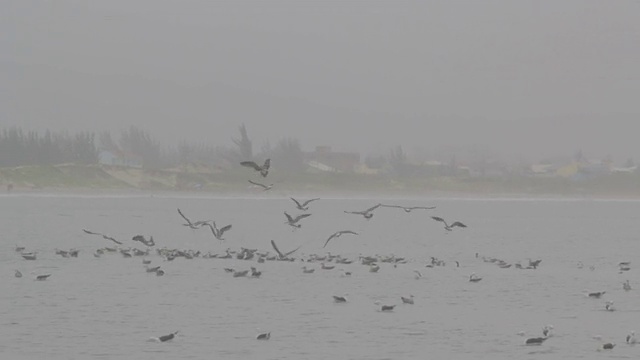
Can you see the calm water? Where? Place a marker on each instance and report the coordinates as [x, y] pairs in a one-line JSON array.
[[108, 307]]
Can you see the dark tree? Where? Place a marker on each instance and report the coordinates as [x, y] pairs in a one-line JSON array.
[[398, 161], [245, 147]]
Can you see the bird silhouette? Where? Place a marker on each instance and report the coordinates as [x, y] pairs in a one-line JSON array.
[[217, 233], [294, 221], [447, 226], [337, 234], [303, 206], [263, 170], [368, 213], [263, 186]]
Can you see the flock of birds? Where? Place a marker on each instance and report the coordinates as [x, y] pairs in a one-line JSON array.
[[296, 223]]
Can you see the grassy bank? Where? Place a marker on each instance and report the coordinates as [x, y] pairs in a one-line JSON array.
[[77, 177]]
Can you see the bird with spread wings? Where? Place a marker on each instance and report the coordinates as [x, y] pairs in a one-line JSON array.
[[337, 234], [263, 170]]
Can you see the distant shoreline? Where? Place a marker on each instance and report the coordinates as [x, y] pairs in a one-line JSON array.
[[70, 179], [335, 194]]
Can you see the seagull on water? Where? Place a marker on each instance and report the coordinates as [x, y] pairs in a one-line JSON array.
[[596, 295], [327, 267], [535, 341], [339, 299], [29, 256], [368, 213], [408, 209], [608, 346], [447, 226], [43, 277], [242, 273], [217, 233], [305, 205], [631, 338], [264, 336], [609, 306], [337, 234], [164, 338], [263, 170], [18, 274], [153, 269], [534, 263], [103, 236], [263, 186], [385, 308], [141, 238], [626, 286], [293, 222], [474, 278], [255, 273], [407, 300]]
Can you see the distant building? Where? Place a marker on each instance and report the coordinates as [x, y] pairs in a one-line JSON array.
[[543, 170], [486, 169], [324, 159], [106, 157], [624, 170]]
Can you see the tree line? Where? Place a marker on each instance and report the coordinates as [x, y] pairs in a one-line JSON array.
[[19, 147]]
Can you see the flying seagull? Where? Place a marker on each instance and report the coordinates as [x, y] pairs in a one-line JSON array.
[[103, 236], [447, 226], [280, 254], [264, 169], [410, 208], [193, 225], [217, 233], [368, 214], [304, 206], [337, 234], [263, 186], [294, 222]]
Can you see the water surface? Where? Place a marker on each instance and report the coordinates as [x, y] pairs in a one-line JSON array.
[[108, 307]]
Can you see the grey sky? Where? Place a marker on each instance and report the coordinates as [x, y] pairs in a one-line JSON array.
[[521, 77]]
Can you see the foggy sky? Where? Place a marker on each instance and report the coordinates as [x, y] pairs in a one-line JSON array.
[[531, 78]]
